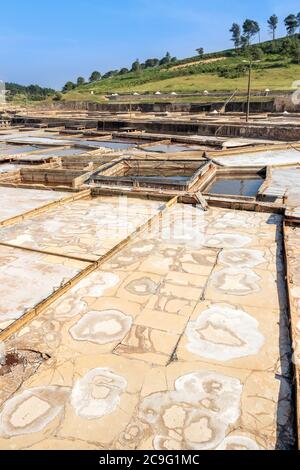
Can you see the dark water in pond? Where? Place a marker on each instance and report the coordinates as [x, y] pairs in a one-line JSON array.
[[176, 179], [237, 186], [160, 173]]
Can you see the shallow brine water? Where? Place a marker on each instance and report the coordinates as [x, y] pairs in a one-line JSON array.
[[237, 186], [63, 152], [115, 145], [171, 148], [176, 179], [6, 167], [14, 150]]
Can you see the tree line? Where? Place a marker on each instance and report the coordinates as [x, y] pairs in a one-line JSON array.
[[242, 36], [137, 66], [32, 92]]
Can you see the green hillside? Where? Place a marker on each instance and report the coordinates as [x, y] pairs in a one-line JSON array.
[[21, 94], [276, 65]]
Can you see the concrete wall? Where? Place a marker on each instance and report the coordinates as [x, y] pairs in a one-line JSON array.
[[285, 133], [264, 131], [56, 176], [188, 107]]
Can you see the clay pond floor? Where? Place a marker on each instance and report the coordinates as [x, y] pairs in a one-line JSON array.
[[85, 228], [16, 201], [179, 340]]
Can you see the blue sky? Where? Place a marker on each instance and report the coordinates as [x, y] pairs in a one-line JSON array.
[[50, 42]]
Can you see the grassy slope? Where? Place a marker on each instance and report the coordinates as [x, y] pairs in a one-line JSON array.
[[274, 79], [275, 72]]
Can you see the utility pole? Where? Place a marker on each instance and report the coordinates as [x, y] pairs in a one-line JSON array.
[[249, 92], [250, 63]]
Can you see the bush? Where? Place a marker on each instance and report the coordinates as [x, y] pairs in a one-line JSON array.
[[234, 72], [295, 54], [57, 97], [257, 53]]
